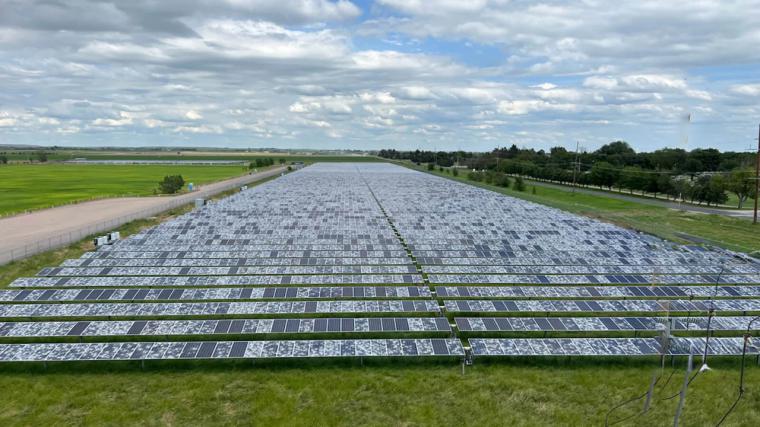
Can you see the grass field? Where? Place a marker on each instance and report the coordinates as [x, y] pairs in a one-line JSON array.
[[60, 155], [577, 393], [731, 233], [28, 187], [731, 203]]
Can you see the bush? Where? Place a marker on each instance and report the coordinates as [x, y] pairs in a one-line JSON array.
[[475, 176], [282, 161], [171, 184], [502, 180], [519, 184], [290, 168], [3, 159], [41, 156], [440, 169], [455, 172], [534, 190], [430, 167]]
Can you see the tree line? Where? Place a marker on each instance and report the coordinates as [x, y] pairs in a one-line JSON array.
[[697, 176]]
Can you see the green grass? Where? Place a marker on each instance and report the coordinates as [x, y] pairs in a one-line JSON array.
[[731, 233], [29, 187], [731, 203], [60, 155], [378, 394]]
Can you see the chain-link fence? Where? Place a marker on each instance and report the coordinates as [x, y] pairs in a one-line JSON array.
[[68, 236]]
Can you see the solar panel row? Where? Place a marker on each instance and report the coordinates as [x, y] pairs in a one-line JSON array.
[[187, 281], [603, 346], [237, 262], [594, 270], [114, 328], [222, 271], [572, 279], [230, 350], [203, 294], [600, 324], [600, 306], [88, 310], [600, 292]]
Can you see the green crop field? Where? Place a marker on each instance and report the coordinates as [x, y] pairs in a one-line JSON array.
[[64, 154], [28, 187]]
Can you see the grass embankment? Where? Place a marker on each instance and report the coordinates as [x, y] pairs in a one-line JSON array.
[[731, 233], [28, 187], [380, 393]]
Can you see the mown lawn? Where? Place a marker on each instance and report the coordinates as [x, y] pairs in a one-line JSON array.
[[731, 233], [377, 394], [28, 187]]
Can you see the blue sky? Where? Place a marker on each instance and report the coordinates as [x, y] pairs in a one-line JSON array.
[[404, 74]]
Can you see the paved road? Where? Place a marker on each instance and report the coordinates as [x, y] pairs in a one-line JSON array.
[[27, 234], [647, 201]]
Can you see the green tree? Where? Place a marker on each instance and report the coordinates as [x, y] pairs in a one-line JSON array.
[[3, 159], [455, 172], [664, 183], [604, 174], [41, 156], [740, 182], [633, 178], [430, 166], [171, 184]]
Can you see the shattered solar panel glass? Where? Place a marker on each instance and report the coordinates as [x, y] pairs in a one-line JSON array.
[[324, 249], [597, 324], [604, 346], [113, 328], [600, 306], [434, 347]]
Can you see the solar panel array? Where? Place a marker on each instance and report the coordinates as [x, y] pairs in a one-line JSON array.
[[375, 260]]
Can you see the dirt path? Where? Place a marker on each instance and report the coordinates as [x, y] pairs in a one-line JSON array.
[[27, 234]]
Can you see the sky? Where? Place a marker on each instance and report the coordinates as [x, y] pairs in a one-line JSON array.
[[404, 74]]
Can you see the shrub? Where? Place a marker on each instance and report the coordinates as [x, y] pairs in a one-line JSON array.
[[519, 184], [455, 172], [430, 167], [290, 168], [3, 159], [171, 184], [502, 180], [534, 190], [475, 176]]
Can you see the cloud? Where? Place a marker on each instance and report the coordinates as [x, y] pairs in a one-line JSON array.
[[193, 115], [402, 74]]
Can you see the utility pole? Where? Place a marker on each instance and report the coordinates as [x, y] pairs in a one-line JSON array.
[[757, 176], [577, 164]]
